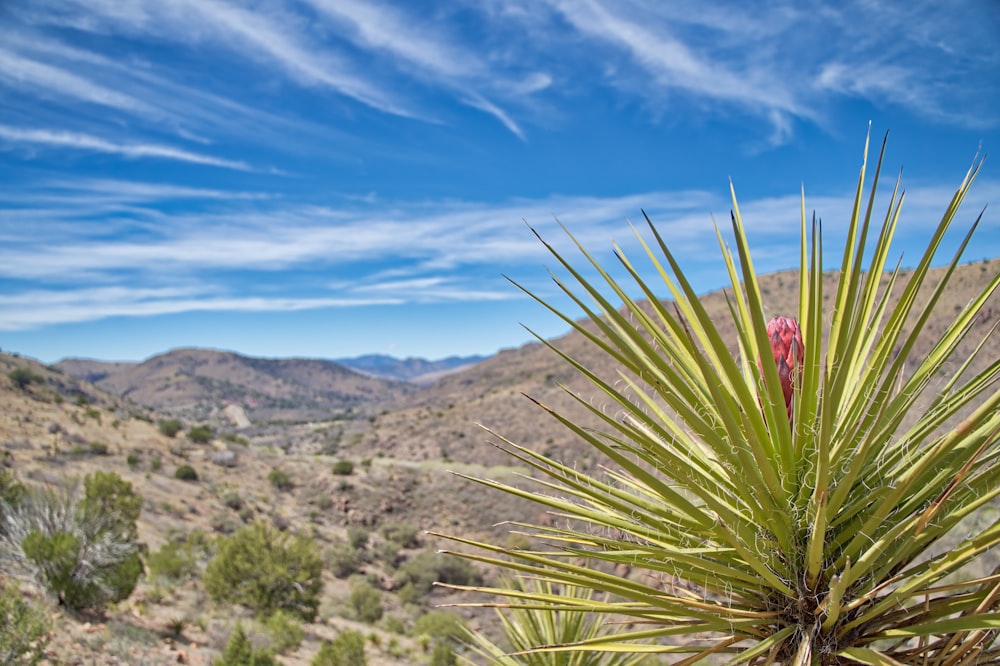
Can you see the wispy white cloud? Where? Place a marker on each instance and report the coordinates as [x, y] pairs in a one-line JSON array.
[[443, 251], [78, 141], [26, 73], [38, 308]]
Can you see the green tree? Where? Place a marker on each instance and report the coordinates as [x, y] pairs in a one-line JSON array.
[[347, 649], [801, 526], [267, 570]]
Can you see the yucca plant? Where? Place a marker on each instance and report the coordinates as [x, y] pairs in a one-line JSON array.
[[526, 628], [785, 502]]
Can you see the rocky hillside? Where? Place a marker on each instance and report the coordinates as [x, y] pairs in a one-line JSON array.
[[55, 428], [198, 384], [398, 441]]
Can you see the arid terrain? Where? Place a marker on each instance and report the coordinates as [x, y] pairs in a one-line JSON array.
[[303, 417]]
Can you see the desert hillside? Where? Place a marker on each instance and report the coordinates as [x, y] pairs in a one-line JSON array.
[[359, 464]]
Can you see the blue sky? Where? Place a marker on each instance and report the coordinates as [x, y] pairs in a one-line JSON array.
[[330, 178]]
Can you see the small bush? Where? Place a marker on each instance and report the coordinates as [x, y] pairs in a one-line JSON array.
[[98, 449], [170, 427], [366, 602], [23, 377], [239, 652], [186, 473], [342, 560], [175, 561], [280, 480], [285, 630], [133, 460], [427, 568], [440, 626], [357, 536], [403, 535], [343, 468], [443, 654], [267, 570], [23, 629], [155, 464], [347, 649], [202, 434], [11, 489]]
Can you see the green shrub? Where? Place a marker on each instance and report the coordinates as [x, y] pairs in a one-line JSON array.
[[443, 654], [347, 649], [22, 377], [366, 602], [186, 473], [428, 568], [285, 630], [267, 570], [342, 560], [98, 449], [11, 490], [239, 652], [82, 549], [440, 625], [174, 561], [23, 629], [343, 468], [109, 495], [357, 536], [155, 463], [133, 460], [403, 535], [170, 427], [202, 434], [280, 480]]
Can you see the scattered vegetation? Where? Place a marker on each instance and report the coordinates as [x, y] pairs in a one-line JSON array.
[[23, 629]]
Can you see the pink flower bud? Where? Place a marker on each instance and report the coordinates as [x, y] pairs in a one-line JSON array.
[[788, 351]]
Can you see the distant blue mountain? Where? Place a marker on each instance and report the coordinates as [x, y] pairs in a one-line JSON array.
[[417, 370]]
